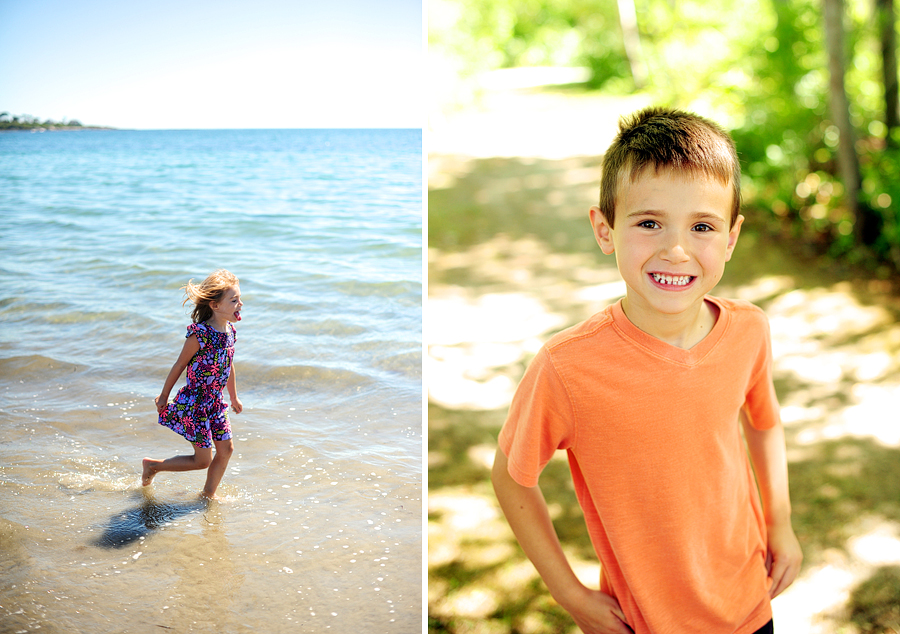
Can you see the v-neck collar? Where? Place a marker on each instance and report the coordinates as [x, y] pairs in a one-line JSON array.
[[660, 348]]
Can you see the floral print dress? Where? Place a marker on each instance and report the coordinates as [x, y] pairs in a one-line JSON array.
[[198, 412]]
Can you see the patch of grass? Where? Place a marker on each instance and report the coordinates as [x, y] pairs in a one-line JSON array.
[[451, 434], [516, 197], [875, 603], [842, 480]]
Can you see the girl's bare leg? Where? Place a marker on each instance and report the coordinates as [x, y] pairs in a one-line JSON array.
[[200, 460], [224, 449]]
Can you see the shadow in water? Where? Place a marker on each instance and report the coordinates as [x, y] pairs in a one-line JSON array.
[[132, 524]]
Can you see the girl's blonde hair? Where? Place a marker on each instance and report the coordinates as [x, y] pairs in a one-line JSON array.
[[212, 289]]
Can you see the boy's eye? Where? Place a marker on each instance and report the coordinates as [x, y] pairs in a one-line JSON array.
[[703, 227], [648, 224]]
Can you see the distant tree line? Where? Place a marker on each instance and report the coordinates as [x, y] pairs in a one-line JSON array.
[[27, 122]]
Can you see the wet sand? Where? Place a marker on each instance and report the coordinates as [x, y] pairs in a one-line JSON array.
[[300, 541]]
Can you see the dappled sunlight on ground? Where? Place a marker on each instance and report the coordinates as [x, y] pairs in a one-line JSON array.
[[816, 602], [842, 360], [471, 529], [476, 339]]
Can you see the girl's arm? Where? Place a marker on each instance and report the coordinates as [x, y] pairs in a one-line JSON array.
[[768, 455], [231, 384], [191, 347], [526, 511]]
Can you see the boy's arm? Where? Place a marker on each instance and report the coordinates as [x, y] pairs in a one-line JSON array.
[[767, 452], [527, 514]]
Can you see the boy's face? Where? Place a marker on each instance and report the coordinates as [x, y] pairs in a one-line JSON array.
[[671, 240]]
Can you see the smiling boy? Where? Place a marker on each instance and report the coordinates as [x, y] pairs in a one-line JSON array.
[[648, 398]]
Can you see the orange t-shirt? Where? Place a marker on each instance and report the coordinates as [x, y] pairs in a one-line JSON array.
[[660, 469]]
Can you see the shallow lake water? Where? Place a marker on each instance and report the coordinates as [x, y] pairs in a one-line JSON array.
[[319, 522]]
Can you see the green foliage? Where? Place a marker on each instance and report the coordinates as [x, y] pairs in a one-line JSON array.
[[788, 141], [27, 122], [759, 67], [881, 188], [483, 35]]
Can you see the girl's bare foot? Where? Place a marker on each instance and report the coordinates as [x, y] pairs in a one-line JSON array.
[[149, 471]]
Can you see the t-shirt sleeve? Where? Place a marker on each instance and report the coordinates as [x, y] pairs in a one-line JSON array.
[[197, 329], [540, 421], [761, 403]]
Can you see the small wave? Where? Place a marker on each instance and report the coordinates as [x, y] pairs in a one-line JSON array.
[[38, 312], [407, 363], [380, 289], [13, 537], [35, 365], [81, 317], [15, 306], [297, 376], [328, 327]]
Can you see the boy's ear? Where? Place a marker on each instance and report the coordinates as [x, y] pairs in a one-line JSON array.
[[733, 237], [602, 231]]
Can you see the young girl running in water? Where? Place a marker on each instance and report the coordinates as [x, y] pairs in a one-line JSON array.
[[198, 412]]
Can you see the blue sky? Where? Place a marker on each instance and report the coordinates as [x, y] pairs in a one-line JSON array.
[[165, 64]]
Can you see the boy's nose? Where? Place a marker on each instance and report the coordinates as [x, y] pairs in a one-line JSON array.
[[673, 251]]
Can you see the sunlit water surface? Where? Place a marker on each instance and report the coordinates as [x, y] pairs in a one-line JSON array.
[[319, 523]]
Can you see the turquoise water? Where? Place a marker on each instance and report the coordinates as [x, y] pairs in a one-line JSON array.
[[98, 230]]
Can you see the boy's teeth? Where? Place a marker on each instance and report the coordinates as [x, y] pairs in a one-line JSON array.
[[675, 280]]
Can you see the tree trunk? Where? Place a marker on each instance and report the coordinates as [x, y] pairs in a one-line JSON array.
[[884, 11], [632, 39], [866, 226]]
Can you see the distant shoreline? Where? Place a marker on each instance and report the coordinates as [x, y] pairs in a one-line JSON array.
[[10, 122], [50, 128]]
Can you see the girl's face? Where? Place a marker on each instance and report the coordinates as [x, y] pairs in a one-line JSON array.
[[229, 308]]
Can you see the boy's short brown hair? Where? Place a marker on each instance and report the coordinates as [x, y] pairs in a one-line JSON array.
[[668, 138]]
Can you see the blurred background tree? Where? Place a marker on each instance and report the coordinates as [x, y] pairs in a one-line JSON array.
[[763, 68]]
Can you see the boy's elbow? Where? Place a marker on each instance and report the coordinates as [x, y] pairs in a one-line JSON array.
[[500, 471]]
